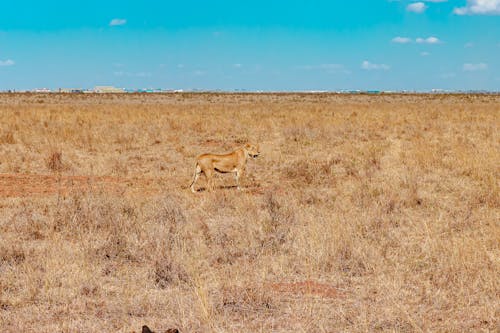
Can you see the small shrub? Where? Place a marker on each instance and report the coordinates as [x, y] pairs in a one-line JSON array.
[[243, 300], [115, 246], [54, 161], [311, 171], [7, 138], [171, 216], [168, 271], [277, 226], [13, 254]]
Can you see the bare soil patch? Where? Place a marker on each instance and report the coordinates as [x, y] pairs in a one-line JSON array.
[[27, 185], [308, 287]]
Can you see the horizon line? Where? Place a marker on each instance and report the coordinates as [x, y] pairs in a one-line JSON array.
[[250, 91]]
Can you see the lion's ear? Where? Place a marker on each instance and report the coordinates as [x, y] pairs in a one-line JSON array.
[[248, 146]]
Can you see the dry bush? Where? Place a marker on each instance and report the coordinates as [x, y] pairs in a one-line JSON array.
[[7, 138], [170, 213], [28, 222], [234, 300], [13, 254], [165, 251], [281, 218], [54, 161], [78, 215], [166, 271], [306, 172]]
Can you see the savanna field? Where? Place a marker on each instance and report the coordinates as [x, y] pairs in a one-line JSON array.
[[363, 213]]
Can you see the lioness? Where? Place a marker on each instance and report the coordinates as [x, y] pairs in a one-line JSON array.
[[231, 162]]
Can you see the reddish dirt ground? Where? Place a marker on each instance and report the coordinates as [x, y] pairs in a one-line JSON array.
[[34, 185], [25, 185], [308, 288]]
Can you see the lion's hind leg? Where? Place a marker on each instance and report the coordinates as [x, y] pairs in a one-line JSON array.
[[197, 173], [210, 181]]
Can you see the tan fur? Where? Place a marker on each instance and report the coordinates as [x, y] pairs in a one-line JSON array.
[[233, 162]]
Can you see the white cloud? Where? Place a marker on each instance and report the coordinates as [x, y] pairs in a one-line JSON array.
[[129, 74], [448, 75], [143, 74], [428, 40], [475, 67], [425, 54], [435, 0], [401, 40], [237, 65], [416, 7], [7, 62], [328, 68], [479, 7], [117, 22], [331, 66], [322, 66], [419, 40], [370, 66]]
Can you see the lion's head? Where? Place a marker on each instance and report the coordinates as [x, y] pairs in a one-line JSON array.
[[252, 150]]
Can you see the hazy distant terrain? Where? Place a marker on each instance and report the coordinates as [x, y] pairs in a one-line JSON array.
[[362, 213]]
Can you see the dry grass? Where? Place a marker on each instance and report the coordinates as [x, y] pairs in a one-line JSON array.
[[363, 213]]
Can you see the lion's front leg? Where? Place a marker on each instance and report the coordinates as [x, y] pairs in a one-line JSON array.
[[239, 173]]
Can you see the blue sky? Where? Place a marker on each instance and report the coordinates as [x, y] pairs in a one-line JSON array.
[[253, 45]]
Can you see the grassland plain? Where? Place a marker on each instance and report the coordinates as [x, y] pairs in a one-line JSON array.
[[363, 213]]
